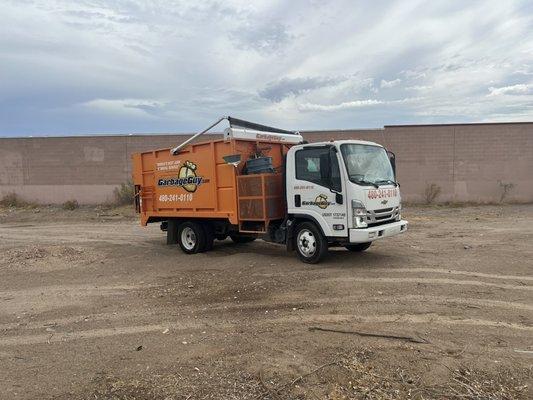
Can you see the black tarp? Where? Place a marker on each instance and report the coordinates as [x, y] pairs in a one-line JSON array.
[[257, 127]]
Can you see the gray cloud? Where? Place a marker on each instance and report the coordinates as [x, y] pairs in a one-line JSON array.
[[278, 90], [341, 106], [153, 108], [264, 38], [389, 84]]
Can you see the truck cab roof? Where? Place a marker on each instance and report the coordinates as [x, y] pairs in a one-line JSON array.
[[364, 142]]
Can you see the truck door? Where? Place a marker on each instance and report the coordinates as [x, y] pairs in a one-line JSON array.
[[315, 188]]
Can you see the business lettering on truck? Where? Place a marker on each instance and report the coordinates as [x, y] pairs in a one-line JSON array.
[[321, 201], [187, 178], [382, 193], [270, 138], [168, 165], [182, 197]]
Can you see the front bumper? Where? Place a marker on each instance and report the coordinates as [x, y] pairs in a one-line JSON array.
[[377, 232]]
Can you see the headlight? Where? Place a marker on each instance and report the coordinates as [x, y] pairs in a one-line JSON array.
[[399, 213], [359, 214], [358, 208]]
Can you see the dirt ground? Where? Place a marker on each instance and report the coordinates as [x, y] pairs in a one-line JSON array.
[[92, 306]]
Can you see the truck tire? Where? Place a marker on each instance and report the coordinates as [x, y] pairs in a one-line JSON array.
[[242, 238], [191, 237], [309, 242], [358, 246]]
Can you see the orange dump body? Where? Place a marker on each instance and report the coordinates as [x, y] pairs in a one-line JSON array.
[[198, 183]]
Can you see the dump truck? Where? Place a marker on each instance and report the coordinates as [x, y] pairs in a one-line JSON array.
[[263, 182]]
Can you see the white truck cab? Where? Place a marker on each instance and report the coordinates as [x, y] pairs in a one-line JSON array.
[[345, 188]]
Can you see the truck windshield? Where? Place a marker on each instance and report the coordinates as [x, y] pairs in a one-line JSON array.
[[367, 164]]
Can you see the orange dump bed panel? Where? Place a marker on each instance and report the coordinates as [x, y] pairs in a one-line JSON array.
[[197, 183]]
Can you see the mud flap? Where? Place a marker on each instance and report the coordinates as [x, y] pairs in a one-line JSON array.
[[290, 235], [172, 231]]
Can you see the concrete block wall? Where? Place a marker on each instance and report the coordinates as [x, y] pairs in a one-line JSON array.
[[87, 169], [468, 162]]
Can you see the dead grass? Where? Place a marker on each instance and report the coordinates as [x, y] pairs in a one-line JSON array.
[[358, 377], [214, 384], [71, 205], [431, 193], [125, 193], [13, 200], [354, 376]]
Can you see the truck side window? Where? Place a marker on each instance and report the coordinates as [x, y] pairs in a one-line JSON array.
[[310, 166]]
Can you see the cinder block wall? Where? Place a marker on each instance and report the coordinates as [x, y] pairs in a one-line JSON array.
[[469, 163]]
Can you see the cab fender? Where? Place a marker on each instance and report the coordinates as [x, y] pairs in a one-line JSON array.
[[293, 221]]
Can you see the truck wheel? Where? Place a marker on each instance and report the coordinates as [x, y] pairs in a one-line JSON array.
[[191, 237], [311, 246], [358, 246], [242, 239]]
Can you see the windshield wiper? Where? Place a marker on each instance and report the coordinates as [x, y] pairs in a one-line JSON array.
[[367, 183], [387, 181]]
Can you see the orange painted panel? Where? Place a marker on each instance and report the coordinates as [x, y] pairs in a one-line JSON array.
[[196, 182]]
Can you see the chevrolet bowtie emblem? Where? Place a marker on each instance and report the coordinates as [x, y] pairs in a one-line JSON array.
[[384, 202]]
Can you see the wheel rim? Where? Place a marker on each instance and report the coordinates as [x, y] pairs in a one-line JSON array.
[[306, 243], [188, 238]]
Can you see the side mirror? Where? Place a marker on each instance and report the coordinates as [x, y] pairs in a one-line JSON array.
[[392, 159]]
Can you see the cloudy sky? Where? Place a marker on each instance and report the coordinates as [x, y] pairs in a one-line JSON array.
[[126, 66]]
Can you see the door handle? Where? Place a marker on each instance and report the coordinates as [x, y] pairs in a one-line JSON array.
[[297, 200]]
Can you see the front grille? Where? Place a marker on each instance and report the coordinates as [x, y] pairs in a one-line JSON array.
[[381, 216], [378, 223], [383, 210]]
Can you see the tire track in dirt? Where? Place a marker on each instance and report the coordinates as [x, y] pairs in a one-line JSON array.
[[80, 234], [460, 300], [63, 289], [291, 300], [403, 319], [132, 240], [431, 318], [79, 318], [43, 298], [455, 272], [282, 302], [430, 281], [56, 337]]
